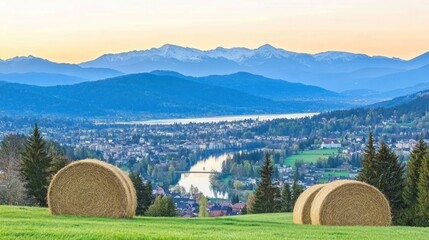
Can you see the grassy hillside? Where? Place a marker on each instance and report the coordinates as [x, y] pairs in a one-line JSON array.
[[36, 223]]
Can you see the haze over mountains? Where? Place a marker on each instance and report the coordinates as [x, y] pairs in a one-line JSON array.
[[262, 80], [337, 71], [333, 70], [159, 94]]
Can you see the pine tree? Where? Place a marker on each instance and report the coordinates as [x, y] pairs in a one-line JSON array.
[[297, 189], [235, 199], [286, 198], [277, 200], [202, 201], [423, 194], [59, 159], [148, 197], [36, 168], [367, 173], [264, 193], [414, 166], [389, 179], [140, 192]]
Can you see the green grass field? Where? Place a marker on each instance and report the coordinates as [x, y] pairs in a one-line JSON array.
[[328, 174], [37, 223], [309, 156]]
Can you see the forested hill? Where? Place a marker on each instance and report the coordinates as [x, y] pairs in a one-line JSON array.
[[257, 85], [415, 102], [144, 94], [404, 114]]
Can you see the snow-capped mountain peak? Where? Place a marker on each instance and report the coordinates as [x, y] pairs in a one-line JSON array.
[[337, 56], [23, 58], [180, 53]]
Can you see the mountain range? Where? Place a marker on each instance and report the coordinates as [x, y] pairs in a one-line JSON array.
[[26, 69], [332, 70], [181, 81]]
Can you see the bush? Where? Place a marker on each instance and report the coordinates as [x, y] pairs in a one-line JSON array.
[[162, 207]]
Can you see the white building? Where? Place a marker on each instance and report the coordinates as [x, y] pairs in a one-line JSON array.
[[330, 143]]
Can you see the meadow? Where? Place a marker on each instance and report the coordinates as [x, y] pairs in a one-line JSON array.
[[37, 223], [310, 156]]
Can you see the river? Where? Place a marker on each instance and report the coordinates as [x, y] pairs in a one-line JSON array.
[[261, 117], [202, 180]]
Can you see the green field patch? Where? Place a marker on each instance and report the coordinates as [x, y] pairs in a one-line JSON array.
[[310, 156], [37, 223], [333, 173]]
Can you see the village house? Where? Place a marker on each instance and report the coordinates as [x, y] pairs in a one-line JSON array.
[[330, 143]]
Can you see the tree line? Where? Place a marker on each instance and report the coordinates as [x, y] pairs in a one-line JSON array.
[[406, 190], [28, 165]]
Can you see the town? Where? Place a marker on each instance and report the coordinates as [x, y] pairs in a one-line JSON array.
[[168, 148]]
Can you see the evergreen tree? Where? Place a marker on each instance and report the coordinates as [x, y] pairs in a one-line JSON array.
[[277, 200], [367, 173], [140, 192], [414, 166], [423, 194], [389, 179], [264, 193], [235, 199], [286, 199], [297, 189], [202, 201], [36, 168], [148, 197], [58, 156]]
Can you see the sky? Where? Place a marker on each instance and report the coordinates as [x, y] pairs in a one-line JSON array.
[[79, 30]]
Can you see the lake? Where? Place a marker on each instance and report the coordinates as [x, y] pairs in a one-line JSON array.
[[216, 119], [202, 180]]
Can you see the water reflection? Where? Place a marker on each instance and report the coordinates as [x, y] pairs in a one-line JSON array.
[[202, 180]]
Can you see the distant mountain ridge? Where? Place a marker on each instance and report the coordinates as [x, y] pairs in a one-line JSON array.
[[333, 70], [146, 94], [274, 89], [25, 69], [40, 79]]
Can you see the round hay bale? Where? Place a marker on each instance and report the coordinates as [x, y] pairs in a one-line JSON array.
[[350, 203], [131, 189], [91, 188], [302, 208]]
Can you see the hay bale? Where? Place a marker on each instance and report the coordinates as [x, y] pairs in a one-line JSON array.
[[131, 190], [91, 188], [350, 203], [302, 208]]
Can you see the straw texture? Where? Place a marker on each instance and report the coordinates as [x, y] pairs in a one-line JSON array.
[[131, 190], [92, 188], [349, 203], [302, 208]]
